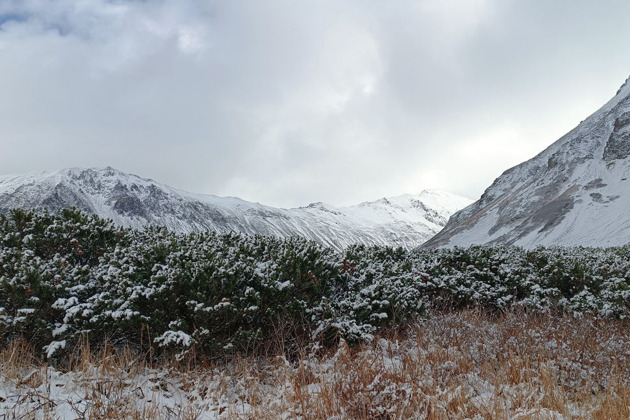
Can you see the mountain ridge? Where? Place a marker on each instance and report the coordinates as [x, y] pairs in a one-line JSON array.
[[132, 201], [574, 192]]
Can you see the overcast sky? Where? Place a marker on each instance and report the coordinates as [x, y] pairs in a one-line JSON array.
[[287, 102]]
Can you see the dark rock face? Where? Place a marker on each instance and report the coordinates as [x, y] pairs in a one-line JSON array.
[[130, 205], [618, 145], [63, 197], [594, 184], [552, 212]]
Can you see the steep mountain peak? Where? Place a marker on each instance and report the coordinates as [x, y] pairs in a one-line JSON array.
[[107, 177], [624, 89], [575, 192]]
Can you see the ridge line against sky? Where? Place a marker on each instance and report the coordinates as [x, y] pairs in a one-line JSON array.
[[287, 103]]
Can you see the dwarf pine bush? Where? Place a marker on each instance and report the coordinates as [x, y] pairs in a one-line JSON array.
[[69, 276]]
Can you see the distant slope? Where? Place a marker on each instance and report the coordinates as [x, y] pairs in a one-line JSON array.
[[576, 192], [131, 201]]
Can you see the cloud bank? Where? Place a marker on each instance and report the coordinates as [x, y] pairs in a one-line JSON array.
[[286, 102]]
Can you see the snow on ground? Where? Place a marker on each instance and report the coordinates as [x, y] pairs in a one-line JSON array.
[[462, 365]]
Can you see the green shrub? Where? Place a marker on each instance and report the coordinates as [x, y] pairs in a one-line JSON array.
[[69, 276]]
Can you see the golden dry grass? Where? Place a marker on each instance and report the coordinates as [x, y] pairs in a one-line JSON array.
[[460, 365]]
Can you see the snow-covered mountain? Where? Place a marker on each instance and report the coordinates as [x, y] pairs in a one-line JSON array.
[[131, 201], [576, 192]]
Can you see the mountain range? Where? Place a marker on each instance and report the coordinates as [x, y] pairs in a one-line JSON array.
[[576, 192], [131, 201]]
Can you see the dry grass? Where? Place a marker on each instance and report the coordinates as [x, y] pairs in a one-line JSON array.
[[469, 365], [452, 366]]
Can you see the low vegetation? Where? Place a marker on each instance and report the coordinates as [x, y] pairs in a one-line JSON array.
[[467, 364], [71, 277], [98, 321]]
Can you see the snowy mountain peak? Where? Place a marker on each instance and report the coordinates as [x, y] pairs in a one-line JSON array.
[[576, 192], [624, 90], [132, 201]]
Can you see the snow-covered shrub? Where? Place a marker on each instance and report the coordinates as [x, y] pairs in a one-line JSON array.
[[219, 291], [377, 288], [70, 276], [42, 256]]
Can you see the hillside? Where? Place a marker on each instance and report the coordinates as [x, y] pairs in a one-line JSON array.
[[576, 192]]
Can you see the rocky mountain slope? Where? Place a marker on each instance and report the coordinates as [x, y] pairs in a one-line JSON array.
[[131, 201], [576, 192]]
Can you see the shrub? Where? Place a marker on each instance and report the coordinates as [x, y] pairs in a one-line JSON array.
[[69, 276]]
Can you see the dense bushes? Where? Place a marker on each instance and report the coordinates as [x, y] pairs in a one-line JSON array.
[[67, 276]]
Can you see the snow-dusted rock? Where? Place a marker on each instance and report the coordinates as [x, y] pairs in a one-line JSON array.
[[132, 201]]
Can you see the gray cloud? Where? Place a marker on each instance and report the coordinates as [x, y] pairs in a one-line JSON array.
[[288, 102]]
